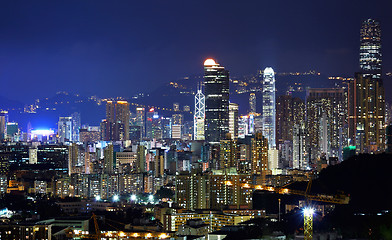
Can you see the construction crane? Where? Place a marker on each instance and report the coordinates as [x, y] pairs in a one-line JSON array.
[[308, 211]]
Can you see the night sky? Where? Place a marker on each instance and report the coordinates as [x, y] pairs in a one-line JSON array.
[[119, 48]]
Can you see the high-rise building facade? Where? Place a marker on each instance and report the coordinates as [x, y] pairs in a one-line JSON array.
[[233, 120], [269, 111], [122, 121], [3, 124], [216, 82], [141, 120], [370, 50], [366, 93], [199, 116], [326, 122], [76, 124], [289, 111], [259, 154], [252, 103], [116, 125], [64, 129]]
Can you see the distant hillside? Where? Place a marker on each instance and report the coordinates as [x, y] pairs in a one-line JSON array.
[[6, 104]]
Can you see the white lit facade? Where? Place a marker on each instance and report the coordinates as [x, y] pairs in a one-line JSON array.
[[199, 117], [269, 110]]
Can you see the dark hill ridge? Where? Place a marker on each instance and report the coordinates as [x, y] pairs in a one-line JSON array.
[[365, 177]]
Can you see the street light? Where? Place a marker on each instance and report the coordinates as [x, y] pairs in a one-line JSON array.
[[151, 198], [133, 197], [115, 198], [97, 198]]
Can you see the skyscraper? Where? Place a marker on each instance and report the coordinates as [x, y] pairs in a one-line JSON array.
[[259, 155], [269, 111], [326, 122], [76, 124], [3, 123], [289, 111], [216, 82], [122, 121], [366, 93], [65, 129], [116, 126], [199, 117], [252, 103], [370, 50], [233, 120], [141, 120]]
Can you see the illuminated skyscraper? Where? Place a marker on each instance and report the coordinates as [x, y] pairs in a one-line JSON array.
[[199, 117], [3, 124], [252, 103], [233, 120], [289, 111], [269, 111], [141, 120], [65, 129], [116, 126], [216, 82], [76, 124], [366, 93], [122, 121], [259, 155], [370, 50], [326, 122]]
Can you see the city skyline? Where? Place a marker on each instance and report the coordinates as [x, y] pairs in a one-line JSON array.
[[296, 154], [86, 49]]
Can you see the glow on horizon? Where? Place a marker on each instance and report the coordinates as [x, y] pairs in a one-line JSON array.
[[44, 132]]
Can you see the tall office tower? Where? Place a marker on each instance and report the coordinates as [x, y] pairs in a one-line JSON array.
[[76, 124], [366, 93], [370, 50], [199, 117], [122, 121], [141, 120], [65, 129], [166, 126], [233, 120], [229, 154], [299, 147], [108, 161], [216, 82], [117, 121], [252, 103], [367, 114], [3, 123], [259, 154], [269, 112], [108, 125], [74, 159], [141, 159], [326, 122], [289, 111], [243, 126], [153, 125], [177, 125]]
